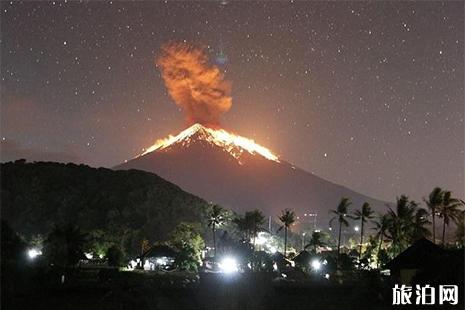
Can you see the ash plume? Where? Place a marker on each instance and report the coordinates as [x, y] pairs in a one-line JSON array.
[[196, 86]]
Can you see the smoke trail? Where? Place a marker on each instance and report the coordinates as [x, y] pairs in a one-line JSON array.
[[197, 87]]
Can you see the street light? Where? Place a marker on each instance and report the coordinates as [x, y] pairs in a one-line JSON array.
[[316, 265], [33, 253], [228, 265]]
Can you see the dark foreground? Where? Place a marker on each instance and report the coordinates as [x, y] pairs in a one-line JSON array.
[[138, 290]]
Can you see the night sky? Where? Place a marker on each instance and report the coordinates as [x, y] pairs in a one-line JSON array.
[[367, 95]]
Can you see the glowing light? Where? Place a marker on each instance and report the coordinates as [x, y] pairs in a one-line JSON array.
[[316, 265], [228, 265], [233, 144], [147, 265], [89, 255], [356, 228], [161, 261], [261, 239], [33, 253]]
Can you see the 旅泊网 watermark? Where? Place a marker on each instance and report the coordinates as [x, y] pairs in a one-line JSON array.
[[424, 295]]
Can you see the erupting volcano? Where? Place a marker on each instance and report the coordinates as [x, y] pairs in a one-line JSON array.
[[231, 143], [221, 166], [239, 174]]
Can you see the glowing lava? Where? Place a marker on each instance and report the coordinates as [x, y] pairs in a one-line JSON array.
[[234, 144]]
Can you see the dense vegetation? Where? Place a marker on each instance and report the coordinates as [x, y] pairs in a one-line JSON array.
[[107, 212], [121, 208]]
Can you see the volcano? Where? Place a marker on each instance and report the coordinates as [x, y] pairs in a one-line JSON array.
[[240, 174]]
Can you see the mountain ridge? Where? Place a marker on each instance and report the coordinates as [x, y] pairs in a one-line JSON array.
[[128, 206]]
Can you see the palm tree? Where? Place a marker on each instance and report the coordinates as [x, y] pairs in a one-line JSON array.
[[250, 224], [316, 241], [381, 228], [242, 227], [450, 210], [401, 223], [434, 202], [363, 215], [420, 221], [340, 216], [216, 219], [287, 218], [64, 245], [460, 232]]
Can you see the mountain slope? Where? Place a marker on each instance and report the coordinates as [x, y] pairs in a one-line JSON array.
[[127, 205], [241, 179]]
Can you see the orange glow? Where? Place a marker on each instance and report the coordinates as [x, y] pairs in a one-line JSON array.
[[230, 142], [196, 86]]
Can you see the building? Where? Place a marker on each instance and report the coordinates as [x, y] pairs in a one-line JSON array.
[[426, 262], [158, 258]]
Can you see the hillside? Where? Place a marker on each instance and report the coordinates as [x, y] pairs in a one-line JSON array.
[[127, 206]]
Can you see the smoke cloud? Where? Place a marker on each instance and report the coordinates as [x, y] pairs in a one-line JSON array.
[[196, 86]]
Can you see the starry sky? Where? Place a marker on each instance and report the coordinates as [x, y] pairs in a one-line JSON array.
[[369, 95]]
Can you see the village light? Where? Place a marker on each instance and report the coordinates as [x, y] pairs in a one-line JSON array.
[[33, 253], [261, 239], [316, 265], [228, 265], [161, 261]]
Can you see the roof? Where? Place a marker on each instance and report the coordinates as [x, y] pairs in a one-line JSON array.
[[160, 251], [421, 254]]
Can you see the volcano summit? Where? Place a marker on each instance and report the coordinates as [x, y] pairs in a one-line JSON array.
[[239, 174]]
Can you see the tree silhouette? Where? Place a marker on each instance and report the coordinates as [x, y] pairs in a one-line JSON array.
[[64, 245], [115, 256], [216, 219], [449, 211], [363, 215], [419, 223], [316, 240], [434, 202], [287, 218], [381, 228], [250, 224], [460, 231], [254, 220], [341, 213], [401, 224]]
